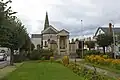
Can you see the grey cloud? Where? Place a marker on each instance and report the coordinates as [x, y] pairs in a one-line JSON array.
[[69, 14], [106, 11]]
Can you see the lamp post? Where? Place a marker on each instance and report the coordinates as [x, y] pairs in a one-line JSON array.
[[82, 41], [113, 40]]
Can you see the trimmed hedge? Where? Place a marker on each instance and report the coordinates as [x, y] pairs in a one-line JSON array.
[[92, 52], [40, 54]]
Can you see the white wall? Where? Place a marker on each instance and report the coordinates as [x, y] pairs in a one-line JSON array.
[[36, 41], [100, 32], [49, 36]]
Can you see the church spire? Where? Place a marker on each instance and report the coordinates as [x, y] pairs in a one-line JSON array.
[[46, 25]]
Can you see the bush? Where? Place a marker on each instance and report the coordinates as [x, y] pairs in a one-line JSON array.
[[20, 57], [92, 52], [38, 54], [35, 55], [17, 58], [65, 60], [79, 52], [43, 58], [46, 53], [85, 72]]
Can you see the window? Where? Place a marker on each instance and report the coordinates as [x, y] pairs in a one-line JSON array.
[[119, 49], [38, 47], [45, 43]]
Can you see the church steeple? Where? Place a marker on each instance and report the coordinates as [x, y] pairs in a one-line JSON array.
[[46, 25]]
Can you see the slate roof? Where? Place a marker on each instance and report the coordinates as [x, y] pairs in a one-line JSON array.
[[106, 29], [63, 30], [50, 30], [36, 36]]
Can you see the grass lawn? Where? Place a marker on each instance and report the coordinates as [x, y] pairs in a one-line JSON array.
[[42, 71], [5, 71]]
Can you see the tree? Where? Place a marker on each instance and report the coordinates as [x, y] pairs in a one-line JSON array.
[[27, 44], [104, 40], [12, 32], [90, 44]]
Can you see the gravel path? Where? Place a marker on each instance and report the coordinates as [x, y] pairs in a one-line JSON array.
[[99, 70]]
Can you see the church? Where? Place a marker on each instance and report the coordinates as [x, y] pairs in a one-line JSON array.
[[51, 38]]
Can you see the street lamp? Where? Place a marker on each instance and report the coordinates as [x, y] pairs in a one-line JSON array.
[[82, 43], [113, 40]]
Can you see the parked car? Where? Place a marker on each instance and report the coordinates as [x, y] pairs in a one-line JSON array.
[[3, 56]]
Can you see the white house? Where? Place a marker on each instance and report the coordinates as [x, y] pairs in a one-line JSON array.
[[52, 38], [106, 30]]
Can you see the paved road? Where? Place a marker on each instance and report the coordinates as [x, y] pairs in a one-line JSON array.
[[5, 63]]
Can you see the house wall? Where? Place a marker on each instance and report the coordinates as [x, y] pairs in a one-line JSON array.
[[48, 36], [72, 48], [36, 41]]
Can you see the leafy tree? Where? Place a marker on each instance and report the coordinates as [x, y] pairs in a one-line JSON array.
[[104, 40], [90, 44], [12, 32], [32, 46], [26, 46]]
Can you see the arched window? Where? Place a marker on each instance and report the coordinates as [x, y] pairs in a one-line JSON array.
[[38, 46], [45, 43]]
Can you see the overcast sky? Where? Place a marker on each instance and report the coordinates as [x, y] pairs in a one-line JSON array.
[[68, 14]]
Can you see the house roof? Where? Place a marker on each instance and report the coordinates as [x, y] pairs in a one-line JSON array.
[[63, 30], [46, 25], [106, 29], [50, 30], [36, 36]]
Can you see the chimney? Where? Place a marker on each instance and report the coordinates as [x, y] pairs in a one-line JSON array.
[[110, 27]]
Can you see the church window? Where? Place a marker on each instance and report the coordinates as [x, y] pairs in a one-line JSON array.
[[45, 43]]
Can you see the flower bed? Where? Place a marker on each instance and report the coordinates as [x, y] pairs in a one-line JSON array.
[[81, 70], [103, 60]]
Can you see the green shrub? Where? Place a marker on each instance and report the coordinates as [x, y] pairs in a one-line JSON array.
[[35, 55], [38, 54], [105, 56], [20, 57], [43, 58], [86, 73], [92, 52], [79, 52], [46, 53], [58, 61]]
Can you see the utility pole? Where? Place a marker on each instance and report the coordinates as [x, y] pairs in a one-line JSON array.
[[82, 41], [113, 39], [114, 43]]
